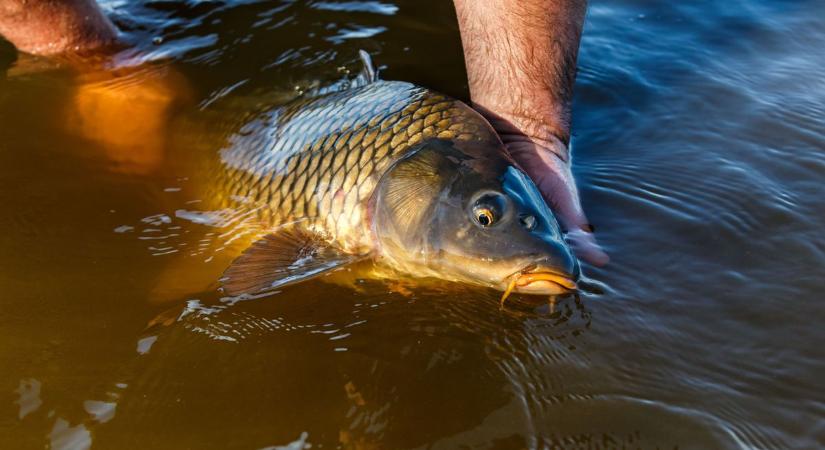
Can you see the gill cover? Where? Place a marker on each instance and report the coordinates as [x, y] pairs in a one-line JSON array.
[[408, 193]]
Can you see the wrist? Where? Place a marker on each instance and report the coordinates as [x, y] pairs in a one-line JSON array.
[[551, 135], [526, 103]]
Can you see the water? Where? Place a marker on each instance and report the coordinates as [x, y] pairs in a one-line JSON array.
[[699, 150]]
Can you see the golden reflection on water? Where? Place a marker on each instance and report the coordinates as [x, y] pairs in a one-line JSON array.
[[126, 113], [102, 348], [92, 359]]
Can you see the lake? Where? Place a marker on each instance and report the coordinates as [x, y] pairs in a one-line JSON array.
[[699, 150]]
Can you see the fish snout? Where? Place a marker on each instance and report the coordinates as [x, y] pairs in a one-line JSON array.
[[559, 258]]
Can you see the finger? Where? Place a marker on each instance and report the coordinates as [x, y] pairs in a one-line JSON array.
[[584, 245], [565, 201], [555, 181]]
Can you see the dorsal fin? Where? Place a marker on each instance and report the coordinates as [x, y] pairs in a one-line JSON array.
[[368, 74]]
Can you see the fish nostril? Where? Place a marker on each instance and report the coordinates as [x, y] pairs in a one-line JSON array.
[[528, 221]]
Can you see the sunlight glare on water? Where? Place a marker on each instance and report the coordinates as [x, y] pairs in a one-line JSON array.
[[699, 152]]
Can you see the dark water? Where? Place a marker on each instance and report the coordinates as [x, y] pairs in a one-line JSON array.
[[700, 153]]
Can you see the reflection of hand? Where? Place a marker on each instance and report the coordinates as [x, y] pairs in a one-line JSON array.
[[127, 112], [547, 162]]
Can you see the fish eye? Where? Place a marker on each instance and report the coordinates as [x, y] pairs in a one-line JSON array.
[[488, 209], [484, 217]]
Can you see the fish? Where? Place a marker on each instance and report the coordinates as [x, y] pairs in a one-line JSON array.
[[414, 181]]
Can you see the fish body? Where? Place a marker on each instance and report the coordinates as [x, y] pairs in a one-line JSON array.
[[388, 170], [318, 161]]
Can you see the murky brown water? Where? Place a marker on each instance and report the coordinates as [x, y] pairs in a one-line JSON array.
[[700, 151]]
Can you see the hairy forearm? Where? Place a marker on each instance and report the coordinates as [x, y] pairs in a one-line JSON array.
[[48, 27], [521, 61]]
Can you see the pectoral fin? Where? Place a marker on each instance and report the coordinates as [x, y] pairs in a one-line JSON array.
[[284, 257]]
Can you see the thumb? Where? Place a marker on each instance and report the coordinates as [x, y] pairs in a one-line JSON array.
[[584, 245], [564, 199]]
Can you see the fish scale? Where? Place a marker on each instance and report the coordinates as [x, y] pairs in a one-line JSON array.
[[318, 160]]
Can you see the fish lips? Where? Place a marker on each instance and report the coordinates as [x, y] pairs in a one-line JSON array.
[[537, 280], [544, 282], [546, 277]]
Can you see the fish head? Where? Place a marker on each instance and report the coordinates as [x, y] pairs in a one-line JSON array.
[[463, 211]]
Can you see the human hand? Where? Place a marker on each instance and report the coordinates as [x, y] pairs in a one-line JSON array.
[[547, 161]]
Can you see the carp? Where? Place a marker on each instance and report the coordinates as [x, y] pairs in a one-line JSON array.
[[411, 179]]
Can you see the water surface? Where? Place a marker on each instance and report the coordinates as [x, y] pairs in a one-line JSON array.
[[700, 154]]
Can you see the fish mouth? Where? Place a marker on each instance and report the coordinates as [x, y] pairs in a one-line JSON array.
[[539, 281]]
